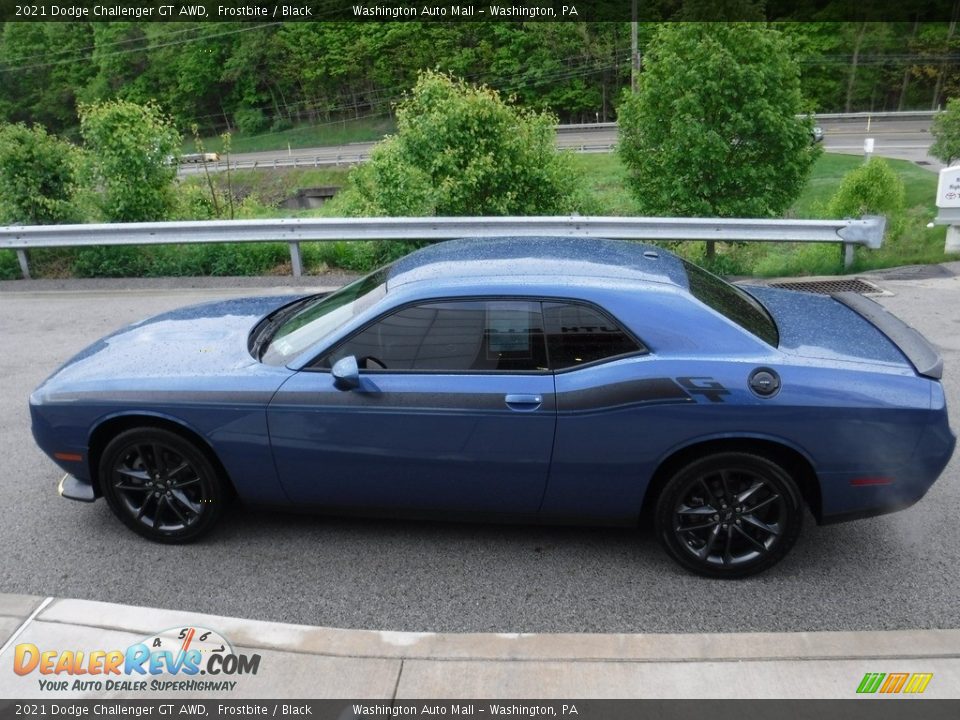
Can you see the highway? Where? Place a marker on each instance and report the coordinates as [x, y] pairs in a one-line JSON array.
[[890, 572], [905, 139]]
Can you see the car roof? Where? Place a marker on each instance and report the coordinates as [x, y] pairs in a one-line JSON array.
[[498, 258]]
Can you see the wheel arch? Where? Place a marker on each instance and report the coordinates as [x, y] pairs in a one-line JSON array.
[[792, 459], [111, 426]]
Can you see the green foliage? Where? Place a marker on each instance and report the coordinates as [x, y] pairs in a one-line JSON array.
[[39, 177], [131, 146], [871, 189], [946, 133], [230, 259], [250, 120], [356, 256], [462, 150], [320, 74], [9, 266], [712, 130], [192, 202]]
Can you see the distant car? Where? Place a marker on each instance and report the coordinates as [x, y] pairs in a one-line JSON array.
[[204, 157], [816, 134], [542, 379]]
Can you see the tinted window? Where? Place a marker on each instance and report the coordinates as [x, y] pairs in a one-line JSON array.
[[451, 336], [731, 301], [578, 334]]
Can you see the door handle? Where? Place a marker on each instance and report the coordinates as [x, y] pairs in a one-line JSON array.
[[523, 402]]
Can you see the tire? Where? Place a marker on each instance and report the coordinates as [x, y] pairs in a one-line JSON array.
[[729, 515], [175, 500]]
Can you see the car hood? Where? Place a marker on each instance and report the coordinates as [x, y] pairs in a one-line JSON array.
[[200, 340], [818, 326]]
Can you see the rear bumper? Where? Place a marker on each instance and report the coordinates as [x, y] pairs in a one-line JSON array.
[[843, 500], [75, 489]]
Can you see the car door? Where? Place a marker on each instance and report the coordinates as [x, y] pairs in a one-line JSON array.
[[609, 397], [454, 410]]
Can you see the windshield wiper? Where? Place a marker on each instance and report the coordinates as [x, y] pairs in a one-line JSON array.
[[269, 325]]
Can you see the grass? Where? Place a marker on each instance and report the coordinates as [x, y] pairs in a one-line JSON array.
[[917, 245], [257, 194], [300, 136], [605, 177]]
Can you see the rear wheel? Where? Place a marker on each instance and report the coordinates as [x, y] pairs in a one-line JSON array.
[[161, 485], [729, 515]]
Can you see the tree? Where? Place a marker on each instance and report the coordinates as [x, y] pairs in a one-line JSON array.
[[713, 128], [462, 150], [38, 177], [131, 147], [946, 133]]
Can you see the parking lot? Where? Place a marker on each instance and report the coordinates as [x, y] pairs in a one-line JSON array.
[[898, 571]]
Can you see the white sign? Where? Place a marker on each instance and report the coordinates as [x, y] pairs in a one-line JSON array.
[[868, 145], [948, 189]]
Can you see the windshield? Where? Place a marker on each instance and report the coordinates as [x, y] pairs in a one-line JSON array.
[[732, 302], [321, 317]]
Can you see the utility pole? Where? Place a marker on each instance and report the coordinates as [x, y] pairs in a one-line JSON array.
[[634, 50]]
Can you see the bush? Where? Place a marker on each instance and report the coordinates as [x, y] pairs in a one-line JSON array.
[[462, 150], [280, 124], [250, 121], [871, 189], [9, 266], [945, 130], [131, 146], [228, 259], [39, 177]]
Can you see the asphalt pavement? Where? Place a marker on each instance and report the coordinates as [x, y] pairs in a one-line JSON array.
[[892, 572]]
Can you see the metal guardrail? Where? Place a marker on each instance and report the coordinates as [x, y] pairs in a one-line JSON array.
[[882, 115], [344, 155], [338, 160], [891, 115], [867, 231]]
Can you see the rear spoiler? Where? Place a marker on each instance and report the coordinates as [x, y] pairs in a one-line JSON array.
[[924, 357]]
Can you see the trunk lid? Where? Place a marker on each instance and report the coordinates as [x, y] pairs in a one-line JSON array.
[[847, 327]]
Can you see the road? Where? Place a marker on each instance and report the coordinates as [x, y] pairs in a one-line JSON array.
[[894, 138], [898, 571]]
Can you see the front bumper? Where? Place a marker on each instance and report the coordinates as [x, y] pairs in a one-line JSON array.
[[74, 489]]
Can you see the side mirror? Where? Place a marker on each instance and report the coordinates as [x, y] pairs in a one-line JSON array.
[[346, 373]]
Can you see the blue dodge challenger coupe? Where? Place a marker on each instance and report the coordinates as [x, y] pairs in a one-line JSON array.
[[544, 379]]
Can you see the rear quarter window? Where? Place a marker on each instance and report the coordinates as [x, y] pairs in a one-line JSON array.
[[732, 302]]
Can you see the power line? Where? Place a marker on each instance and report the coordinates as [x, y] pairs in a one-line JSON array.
[[99, 45], [511, 83], [153, 47]]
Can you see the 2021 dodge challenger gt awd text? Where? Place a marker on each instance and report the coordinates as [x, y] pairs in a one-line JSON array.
[[544, 379]]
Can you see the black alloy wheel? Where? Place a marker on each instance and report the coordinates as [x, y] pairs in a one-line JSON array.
[[729, 515], [161, 485]]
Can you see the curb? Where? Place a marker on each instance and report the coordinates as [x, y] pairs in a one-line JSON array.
[[386, 664]]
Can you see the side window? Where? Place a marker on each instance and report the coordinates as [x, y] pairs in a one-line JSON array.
[[477, 335], [578, 334]]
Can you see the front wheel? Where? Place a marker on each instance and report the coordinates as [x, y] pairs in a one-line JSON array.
[[161, 485], [729, 515]]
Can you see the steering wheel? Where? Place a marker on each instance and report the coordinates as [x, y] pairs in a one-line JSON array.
[[367, 359]]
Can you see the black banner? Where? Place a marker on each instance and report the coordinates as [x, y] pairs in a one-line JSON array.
[[265, 11], [857, 709]]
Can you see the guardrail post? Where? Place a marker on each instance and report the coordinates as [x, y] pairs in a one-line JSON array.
[[296, 261], [24, 266], [847, 255]]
